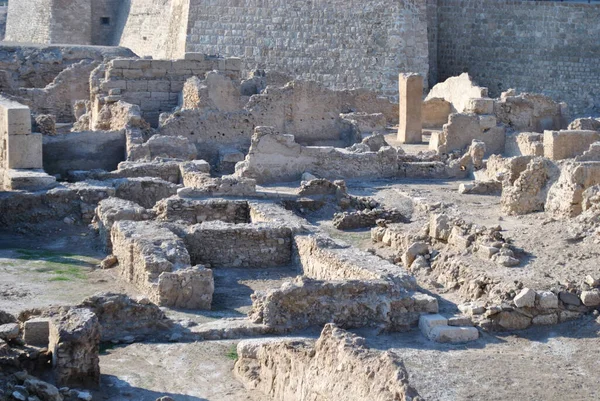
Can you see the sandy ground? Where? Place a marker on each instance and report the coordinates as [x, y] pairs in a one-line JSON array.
[[543, 363]]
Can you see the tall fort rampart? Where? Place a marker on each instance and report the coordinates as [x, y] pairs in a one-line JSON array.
[[539, 46]]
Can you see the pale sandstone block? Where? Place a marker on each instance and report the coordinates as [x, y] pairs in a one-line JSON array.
[[411, 99], [25, 151]]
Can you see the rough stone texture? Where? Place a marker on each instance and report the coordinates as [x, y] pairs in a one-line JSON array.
[[411, 99], [401, 46], [216, 92], [144, 191], [366, 218], [194, 211], [121, 316], [189, 288], [590, 155], [163, 146], [524, 144], [560, 145], [36, 331], [435, 112], [46, 124], [457, 91], [585, 124], [210, 130], [547, 36], [461, 129], [220, 244], [530, 112], [155, 85], [351, 304], [145, 250], [275, 158], [306, 110], [300, 370], [453, 335], [75, 345], [114, 209], [526, 194], [566, 195], [366, 123]]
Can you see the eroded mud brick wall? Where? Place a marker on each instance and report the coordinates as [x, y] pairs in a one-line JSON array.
[[341, 43], [549, 47]]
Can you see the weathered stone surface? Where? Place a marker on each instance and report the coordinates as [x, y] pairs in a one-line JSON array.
[[411, 95], [525, 299], [457, 91], [429, 322], [36, 331], [547, 300], [189, 288], [74, 343], [115, 209], [298, 370], [453, 335], [590, 298], [9, 331]]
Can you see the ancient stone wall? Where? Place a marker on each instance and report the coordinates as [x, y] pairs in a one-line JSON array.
[[155, 85], [343, 44], [37, 28], [545, 47], [298, 370], [3, 15], [153, 27], [221, 244]]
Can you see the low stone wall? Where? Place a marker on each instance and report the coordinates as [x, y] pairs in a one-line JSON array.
[[559, 145], [289, 370], [143, 190], [566, 195], [349, 303], [220, 244], [195, 211], [276, 158]]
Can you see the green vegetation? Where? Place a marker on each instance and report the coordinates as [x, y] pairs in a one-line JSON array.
[[232, 353], [62, 266]]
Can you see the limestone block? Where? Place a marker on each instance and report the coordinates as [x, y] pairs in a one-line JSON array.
[[9, 331], [545, 320], [487, 121], [411, 99], [525, 299], [559, 145], [15, 118], [27, 180], [590, 298], [37, 331], [439, 227], [428, 322], [25, 151], [547, 300], [453, 335], [459, 321], [481, 105], [435, 112]]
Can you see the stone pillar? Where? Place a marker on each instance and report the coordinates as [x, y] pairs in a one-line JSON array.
[[411, 99]]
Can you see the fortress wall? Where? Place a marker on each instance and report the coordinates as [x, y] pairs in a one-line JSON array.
[[341, 43], [547, 47], [103, 30], [71, 22], [153, 27], [28, 21]]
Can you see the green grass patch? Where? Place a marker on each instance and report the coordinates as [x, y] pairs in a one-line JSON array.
[[62, 266], [232, 353]]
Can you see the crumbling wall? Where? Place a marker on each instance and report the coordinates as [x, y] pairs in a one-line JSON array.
[[530, 112], [38, 26], [75, 346], [565, 197], [194, 211], [457, 91], [155, 85], [275, 158], [462, 128], [306, 110], [349, 303], [290, 370], [220, 244]]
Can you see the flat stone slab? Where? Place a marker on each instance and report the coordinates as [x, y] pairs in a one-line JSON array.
[[37, 332], [453, 335], [27, 180], [429, 322]]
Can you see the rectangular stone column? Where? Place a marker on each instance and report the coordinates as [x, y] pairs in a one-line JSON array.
[[411, 99]]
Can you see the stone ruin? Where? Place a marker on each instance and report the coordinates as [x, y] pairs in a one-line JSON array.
[[190, 174]]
